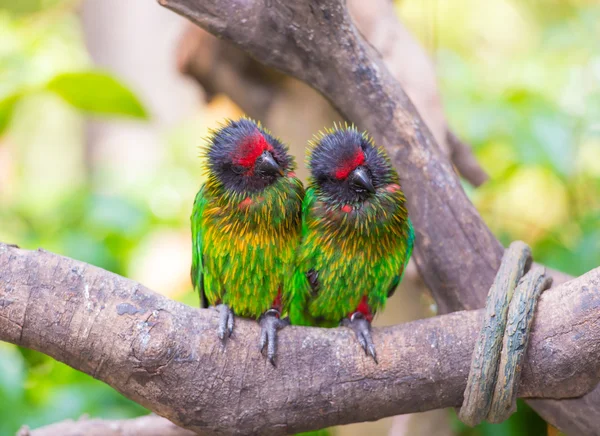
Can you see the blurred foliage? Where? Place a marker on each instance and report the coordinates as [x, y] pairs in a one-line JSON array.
[[323, 432], [36, 390], [45, 198], [44, 52], [24, 7], [521, 83], [523, 423], [528, 100]]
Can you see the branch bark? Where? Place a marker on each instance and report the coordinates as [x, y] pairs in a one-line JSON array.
[[317, 42], [167, 357]]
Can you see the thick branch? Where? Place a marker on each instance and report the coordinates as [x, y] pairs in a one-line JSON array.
[[167, 357], [144, 426], [317, 42]]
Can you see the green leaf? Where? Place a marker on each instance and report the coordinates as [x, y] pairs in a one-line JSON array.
[[7, 107], [97, 93]]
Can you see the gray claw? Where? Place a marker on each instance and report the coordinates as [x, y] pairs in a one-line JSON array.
[[269, 324], [362, 330], [225, 328]]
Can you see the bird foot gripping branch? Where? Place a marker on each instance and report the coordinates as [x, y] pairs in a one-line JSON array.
[[362, 328], [492, 386], [270, 322], [226, 320]]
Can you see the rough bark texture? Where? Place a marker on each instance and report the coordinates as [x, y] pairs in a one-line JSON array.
[[167, 357], [317, 42], [144, 426]]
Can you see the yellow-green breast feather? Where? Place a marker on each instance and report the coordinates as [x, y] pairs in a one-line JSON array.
[[244, 245]]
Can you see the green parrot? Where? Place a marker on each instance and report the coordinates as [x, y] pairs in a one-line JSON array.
[[246, 224], [357, 237]]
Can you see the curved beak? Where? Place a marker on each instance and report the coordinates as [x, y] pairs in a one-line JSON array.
[[266, 165], [360, 180]]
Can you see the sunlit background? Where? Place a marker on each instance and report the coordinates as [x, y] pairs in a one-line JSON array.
[[99, 137]]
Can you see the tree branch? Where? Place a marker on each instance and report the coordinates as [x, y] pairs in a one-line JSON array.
[[317, 42], [462, 157], [144, 426], [167, 357]]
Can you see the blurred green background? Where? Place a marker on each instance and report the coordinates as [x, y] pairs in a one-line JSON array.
[[99, 163]]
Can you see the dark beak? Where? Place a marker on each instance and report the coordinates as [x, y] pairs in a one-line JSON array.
[[360, 180], [266, 165]]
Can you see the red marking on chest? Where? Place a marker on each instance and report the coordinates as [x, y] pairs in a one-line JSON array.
[[347, 208], [245, 203], [349, 165], [393, 187], [363, 307], [249, 150], [277, 302], [291, 174]]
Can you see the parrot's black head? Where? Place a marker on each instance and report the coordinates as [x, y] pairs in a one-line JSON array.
[[348, 168], [246, 158]]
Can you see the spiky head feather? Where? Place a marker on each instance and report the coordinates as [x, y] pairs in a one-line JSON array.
[[233, 150], [334, 154]]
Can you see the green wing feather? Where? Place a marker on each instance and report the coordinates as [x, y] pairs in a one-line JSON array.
[[197, 231], [410, 245], [242, 256], [301, 286], [409, 248]]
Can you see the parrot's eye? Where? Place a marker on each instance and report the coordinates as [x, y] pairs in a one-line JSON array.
[[238, 169]]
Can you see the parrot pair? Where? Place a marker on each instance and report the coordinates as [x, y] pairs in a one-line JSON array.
[[264, 248]]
